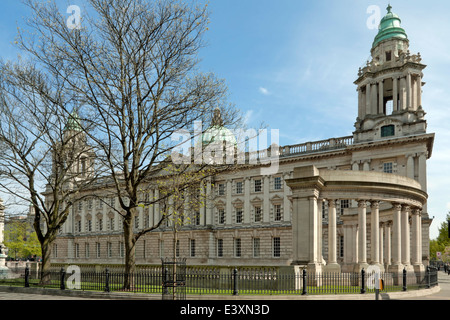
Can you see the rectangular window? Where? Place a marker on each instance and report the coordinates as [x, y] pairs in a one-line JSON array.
[[192, 247], [276, 247], [219, 248], [221, 189], [387, 167], [221, 216], [55, 251], [177, 248], [86, 250], [387, 131], [100, 224], [277, 212], [97, 249], [277, 183], [341, 246], [239, 187], [109, 249], [344, 205], [258, 185], [77, 250], [237, 247], [388, 55], [121, 250], [239, 215], [256, 247], [258, 214]]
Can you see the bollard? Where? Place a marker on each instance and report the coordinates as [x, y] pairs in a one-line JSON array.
[[404, 280], [304, 291], [363, 281], [27, 277], [235, 283], [63, 276], [107, 280]]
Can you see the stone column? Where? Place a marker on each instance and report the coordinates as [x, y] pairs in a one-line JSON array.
[[375, 233], [286, 202], [380, 97], [374, 94], [419, 91], [410, 166], [209, 203], [266, 199], [417, 241], [387, 245], [355, 242], [395, 93], [368, 99], [381, 253], [362, 235], [422, 178], [402, 94], [406, 256], [396, 239], [332, 265], [228, 204], [408, 91]]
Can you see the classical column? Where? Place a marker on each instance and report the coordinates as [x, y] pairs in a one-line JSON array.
[[408, 91], [410, 166], [355, 242], [375, 232], [380, 97], [374, 94], [332, 265], [422, 178], [209, 203], [417, 240], [286, 202], [246, 200], [419, 91], [381, 242], [406, 256], [402, 94], [266, 199], [319, 227], [395, 93], [228, 204], [361, 109], [396, 239], [387, 244], [362, 234], [368, 99]]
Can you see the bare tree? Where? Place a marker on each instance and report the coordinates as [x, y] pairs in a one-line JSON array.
[[41, 151], [135, 68]]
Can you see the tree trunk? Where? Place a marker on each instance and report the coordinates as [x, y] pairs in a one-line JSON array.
[[46, 262], [130, 258]]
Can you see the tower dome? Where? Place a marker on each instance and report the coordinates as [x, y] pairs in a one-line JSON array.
[[390, 28], [217, 132]]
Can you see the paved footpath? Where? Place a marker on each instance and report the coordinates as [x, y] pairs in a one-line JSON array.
[[444, 292]]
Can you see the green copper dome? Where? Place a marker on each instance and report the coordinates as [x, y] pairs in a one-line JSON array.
[[390, 28], [218, 133], [73, 123]]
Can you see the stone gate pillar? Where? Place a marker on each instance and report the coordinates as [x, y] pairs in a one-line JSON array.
[[305, 186]]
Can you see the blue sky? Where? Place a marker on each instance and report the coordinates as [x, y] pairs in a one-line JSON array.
[[291, 65]]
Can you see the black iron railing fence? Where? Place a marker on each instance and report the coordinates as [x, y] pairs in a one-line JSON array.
[[231, 282]]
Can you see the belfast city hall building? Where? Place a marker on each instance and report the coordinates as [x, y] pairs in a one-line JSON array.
[[340, 204]]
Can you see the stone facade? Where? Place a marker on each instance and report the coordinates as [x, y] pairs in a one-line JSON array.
[[274, 220]]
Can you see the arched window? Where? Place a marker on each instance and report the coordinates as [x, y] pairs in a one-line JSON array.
[[387, 131]]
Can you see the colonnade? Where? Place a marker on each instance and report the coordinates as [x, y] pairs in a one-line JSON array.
[[406, 94], [393, 253]]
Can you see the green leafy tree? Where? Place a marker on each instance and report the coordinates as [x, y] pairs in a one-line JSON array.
[[441, 242], [21, 240]]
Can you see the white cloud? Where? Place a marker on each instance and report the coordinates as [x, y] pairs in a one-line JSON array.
[[264, 91]]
